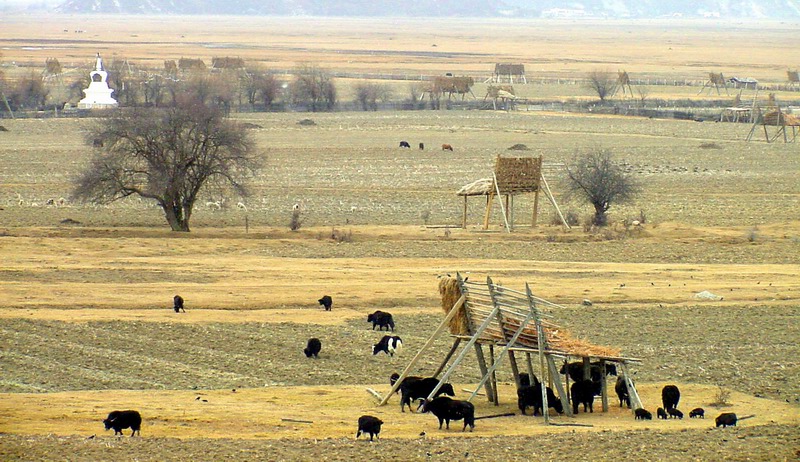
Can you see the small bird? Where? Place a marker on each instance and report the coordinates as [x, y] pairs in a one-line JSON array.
[[197, 399], [233, 391], [91, 437], [422, 433], [205, 400]]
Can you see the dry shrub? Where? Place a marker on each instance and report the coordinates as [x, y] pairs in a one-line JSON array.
[[342, 236], [710, 145], [721, 398], [306, 122], [296, 221], [450, 293], [572, 218]]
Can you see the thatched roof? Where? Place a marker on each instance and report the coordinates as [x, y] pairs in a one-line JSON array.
[[477, 188], [512, 314]]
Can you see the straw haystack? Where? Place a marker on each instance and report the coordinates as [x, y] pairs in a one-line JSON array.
[[559, 340], [451, 292], [480, 187]]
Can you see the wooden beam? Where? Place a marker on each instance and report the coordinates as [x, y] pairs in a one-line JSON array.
[[447, 358], [484, 373], [445, 322], [603, 385], [464, 215]]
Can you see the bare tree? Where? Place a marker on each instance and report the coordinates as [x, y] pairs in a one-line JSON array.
[[601, 82], [369, 93], [315, 86], [594, 176], [168, 156], [268, 89], [30, 92]]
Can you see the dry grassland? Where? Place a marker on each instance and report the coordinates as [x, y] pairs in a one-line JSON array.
[[85, 318]]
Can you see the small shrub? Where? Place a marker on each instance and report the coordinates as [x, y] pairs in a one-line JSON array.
[[306, 122], [722, 397], [341, 236], [296, 221], [426, 216], [752, 235], [642, 217], [572, 219], [710, 146], [447, 233]]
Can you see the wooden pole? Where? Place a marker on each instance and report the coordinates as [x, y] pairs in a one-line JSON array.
[[636, 402], [489, 201], [502, 209], [603, 385], [530, 365], [447, 358], [484, 373], [427, 345], [464, 215], [563, 393], [493, 377]]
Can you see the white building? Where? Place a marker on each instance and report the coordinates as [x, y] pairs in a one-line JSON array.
[[98, 95]]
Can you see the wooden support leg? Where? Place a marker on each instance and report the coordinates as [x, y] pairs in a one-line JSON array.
[[484, 370], [464, 215], [493, 379], [514, 369], [447, 358], [562, 394], [530, 365], [603, 386]]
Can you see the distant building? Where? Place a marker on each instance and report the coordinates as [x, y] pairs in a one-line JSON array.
[[98, 95]]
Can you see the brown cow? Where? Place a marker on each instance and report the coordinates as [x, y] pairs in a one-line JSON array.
[[447, 147]]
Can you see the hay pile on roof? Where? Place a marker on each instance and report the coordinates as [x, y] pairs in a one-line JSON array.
[[477, 188], [451, 292], [558, 339]]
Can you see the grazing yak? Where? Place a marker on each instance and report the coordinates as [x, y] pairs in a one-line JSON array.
[[369, 424], [381, 319], [326, 301], [447, 409], [697, 412], [178, 304], [124, 419], [447, 147], [422, 146], [726, 419], [532, 396], [662, 414], [419, 388], [395, 377], [313, 348], [674, 412], [670, 396], [622, 391], [583, 392], [643, 414], [404, 144], [389, 344]]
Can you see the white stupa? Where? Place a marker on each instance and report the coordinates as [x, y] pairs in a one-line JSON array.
[[98, 95]]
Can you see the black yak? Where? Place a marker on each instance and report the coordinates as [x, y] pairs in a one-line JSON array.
[[313, 348], [124, 419], [369, 424]]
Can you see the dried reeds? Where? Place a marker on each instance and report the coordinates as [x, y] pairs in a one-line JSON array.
[[451, 292]]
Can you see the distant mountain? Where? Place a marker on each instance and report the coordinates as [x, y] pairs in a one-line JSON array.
[[777, 9]]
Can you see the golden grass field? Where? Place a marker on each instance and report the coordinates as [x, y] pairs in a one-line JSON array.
[[86, 324]]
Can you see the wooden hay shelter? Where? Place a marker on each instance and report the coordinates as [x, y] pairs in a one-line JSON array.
[[504, 93], [623, 82], [489, 315], [773, 116], [508, 71], [715, 80], [512, 176]]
